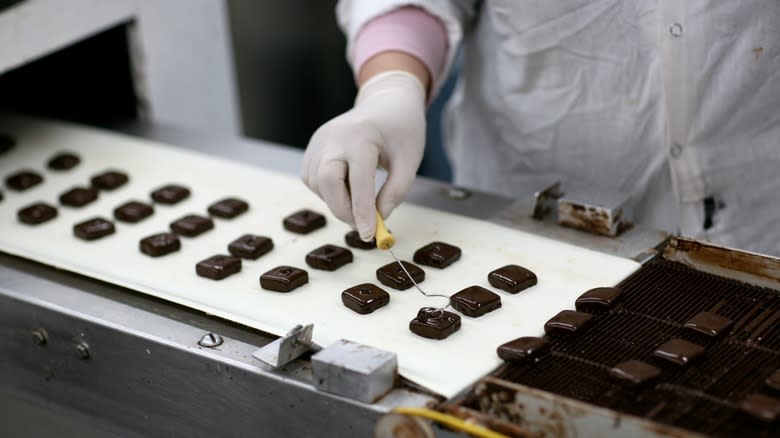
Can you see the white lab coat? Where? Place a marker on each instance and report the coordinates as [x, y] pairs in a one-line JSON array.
[[671, 101]]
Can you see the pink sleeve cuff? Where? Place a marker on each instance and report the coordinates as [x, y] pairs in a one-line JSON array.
[[408, 29]]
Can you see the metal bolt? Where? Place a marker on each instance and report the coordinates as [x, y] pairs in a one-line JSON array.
[[676, 29], [458, 193], [39, 336], [676, 150], [83, 349], [210, 340]]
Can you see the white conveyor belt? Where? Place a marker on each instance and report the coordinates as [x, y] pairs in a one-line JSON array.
[[446, 366]]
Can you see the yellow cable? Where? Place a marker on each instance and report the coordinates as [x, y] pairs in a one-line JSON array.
[[450, 421]]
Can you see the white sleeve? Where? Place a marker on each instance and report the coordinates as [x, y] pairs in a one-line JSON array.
[[457, 16]]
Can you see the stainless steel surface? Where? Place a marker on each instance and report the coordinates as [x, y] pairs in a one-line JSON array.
[[757, 269], [145, 374]]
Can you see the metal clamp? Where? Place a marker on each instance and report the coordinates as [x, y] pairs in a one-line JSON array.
[[288, 348]]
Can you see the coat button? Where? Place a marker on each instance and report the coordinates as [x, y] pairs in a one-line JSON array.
[[676, 150], [676, 29]]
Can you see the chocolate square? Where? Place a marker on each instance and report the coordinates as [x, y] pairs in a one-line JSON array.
[[761, 407], [284, 279], [170, 194], [434, 323], [523, 349], [23, 180], [133, 211], [158, 245], [329, 257], [304, 222], [64, 161], [37, 213], [6, 143], [78, 196], [437, 254], [365, 298], [218, 267], [598, 299], [475, 301], [634, 372], [709, 324], [192, 225], [512, 278], [353, 239], [678, 351], [250, 246], [93, 229], [393, 275], [109, 180], [773, 381], [228, 208], [567, 322]]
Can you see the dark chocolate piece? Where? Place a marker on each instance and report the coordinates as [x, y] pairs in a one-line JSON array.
[[475, 301], [773, 381], [109, 180], [23, 180], [512, 278], [192, 225], [250, 246], [133, 212], [365, 298], [523, 349], [329, 257], [708, 323], [284, 279], [304, 222], [158, 245], [93, 229], [762, 407], [6, 143], [218, 267], [567, 322], [353, 239], [598, 299], [37, 213], [78, 196], [393, 275], [64, 161], [228, 208], [437, 254], [634, 372], [434, 323], [170, 194], [678, 351]]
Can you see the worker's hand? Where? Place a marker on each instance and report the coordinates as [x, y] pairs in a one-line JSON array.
[[385, 128]]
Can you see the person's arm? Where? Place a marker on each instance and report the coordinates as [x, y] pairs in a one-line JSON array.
[[397, 55]]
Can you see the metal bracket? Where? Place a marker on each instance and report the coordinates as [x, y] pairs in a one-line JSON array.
[[545, 200], [288, 348]]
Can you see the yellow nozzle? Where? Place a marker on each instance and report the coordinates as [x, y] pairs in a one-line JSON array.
[[384, 240]]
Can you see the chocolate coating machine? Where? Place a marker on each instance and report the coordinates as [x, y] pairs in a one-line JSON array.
[[84, 356]]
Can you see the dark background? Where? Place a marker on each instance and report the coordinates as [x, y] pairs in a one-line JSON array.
[[290, 70]]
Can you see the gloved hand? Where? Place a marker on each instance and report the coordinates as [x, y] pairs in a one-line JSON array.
[[386, 128]]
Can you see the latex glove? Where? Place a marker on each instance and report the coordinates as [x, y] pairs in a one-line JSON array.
[[386, 128]]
